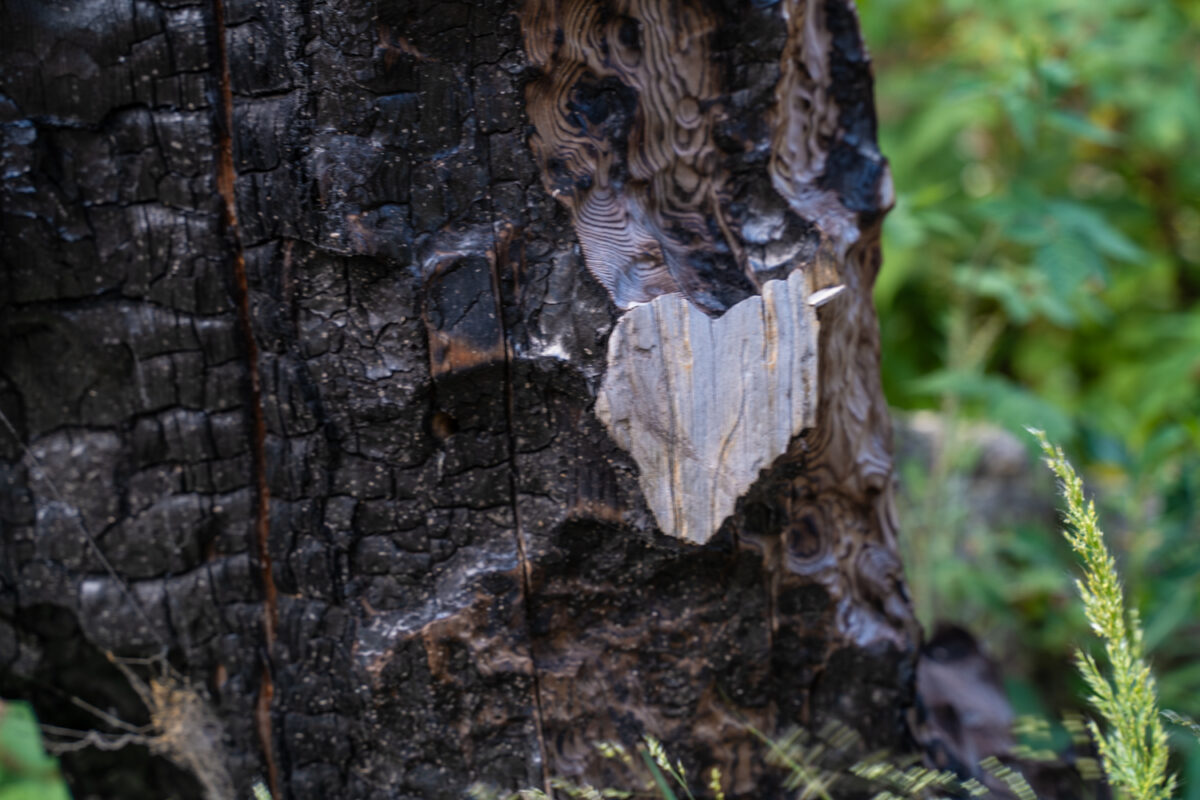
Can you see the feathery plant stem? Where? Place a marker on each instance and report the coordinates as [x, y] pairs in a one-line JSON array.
[[1134, 747]]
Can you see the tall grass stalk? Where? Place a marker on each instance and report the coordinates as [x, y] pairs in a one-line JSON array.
[[1134, 746]]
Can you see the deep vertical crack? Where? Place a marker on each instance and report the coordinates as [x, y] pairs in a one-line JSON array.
[[513, 481], [226, 176], [513, 472]]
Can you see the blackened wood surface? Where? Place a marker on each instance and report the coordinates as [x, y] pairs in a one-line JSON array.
[[295, 329]]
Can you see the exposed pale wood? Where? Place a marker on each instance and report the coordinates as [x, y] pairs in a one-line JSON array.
[[704, 405]]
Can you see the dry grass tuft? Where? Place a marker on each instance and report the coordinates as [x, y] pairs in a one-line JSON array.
[[183, 727]]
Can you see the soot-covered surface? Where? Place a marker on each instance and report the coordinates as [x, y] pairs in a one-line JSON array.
[[295, 333]]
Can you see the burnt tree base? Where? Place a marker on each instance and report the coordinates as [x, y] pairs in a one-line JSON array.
[[305, 312]]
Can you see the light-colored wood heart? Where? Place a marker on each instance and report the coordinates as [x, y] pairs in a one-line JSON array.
[[703, 405]]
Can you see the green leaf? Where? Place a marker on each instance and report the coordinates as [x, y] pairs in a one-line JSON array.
[[26, 770], [30, 789], [999, 286], [1101, 233], [1172, 616], [1082, 128], [1006, 403], [21, 742], [1022, 115], [660, 780]]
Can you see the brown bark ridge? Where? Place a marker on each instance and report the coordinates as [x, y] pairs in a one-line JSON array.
[[304, 314]]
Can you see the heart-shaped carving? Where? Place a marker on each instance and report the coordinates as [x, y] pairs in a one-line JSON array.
[[703, 404]]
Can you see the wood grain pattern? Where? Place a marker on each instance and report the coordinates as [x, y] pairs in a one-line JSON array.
[[807, 131], [624, 113], [798, 190], [704, 405]]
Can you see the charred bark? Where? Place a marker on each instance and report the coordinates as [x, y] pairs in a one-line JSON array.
[[305, 315]]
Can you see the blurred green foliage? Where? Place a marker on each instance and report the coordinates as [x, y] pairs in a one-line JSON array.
[[26, 772], [1042, 267], [1043, 259]]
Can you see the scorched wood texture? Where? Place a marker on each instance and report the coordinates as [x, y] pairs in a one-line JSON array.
[[307, 344]]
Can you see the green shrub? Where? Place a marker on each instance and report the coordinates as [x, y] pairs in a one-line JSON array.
[[1042, 266]]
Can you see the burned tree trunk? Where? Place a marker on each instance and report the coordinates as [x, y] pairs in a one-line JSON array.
[[443, 388]]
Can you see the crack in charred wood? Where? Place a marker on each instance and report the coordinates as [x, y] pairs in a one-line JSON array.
[[387, 143], [226, 185], [499, 255]]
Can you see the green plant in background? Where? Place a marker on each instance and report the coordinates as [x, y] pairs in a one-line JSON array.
[[26, 771], [1042, 266], [1043, 260], [1134, 746]]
